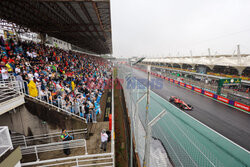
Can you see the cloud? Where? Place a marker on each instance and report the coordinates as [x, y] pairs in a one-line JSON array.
[[159, 27]]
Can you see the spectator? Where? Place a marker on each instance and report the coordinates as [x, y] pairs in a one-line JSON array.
[[104, 140], [69, 79], [66, 137], [32, 89], [5, 75]]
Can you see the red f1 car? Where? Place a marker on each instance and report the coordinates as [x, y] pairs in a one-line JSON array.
[[180, 103]]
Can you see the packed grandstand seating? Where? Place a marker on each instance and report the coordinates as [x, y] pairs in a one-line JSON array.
[[70, 80]]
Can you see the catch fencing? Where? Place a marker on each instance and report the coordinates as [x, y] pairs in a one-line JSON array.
[[187, 141]]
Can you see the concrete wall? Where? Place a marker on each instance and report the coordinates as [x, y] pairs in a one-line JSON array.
[[33, 119]]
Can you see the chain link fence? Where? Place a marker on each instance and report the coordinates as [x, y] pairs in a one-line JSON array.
[[186, 141]]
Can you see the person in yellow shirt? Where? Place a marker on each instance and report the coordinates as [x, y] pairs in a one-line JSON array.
[[32, 89], [73, 85], [9, 67]]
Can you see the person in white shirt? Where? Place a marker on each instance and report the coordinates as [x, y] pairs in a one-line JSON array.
[[36, 74], [30, 76], [5, 74], [43, 95], [34, 55], [104, 140], [28, 54], [17, 70]]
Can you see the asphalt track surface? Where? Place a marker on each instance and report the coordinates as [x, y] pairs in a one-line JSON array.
[[229, 122]]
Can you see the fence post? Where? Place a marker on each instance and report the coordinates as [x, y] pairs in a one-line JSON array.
[[24, 139], [131, 121], [148, 139], [137, 121], [86, 151], [37, 158], [77, 162]]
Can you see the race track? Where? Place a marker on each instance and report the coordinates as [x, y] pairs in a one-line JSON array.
[[228, 121]]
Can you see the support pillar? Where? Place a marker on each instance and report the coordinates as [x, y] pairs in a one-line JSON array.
[[42, 37], [240, 70], [239, 55]]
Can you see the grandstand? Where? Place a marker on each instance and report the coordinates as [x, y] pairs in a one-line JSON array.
[[206, 71], [52, 79], [221, 65]]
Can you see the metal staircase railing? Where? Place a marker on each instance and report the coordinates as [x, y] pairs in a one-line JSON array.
[[36, 149], [9, 90], [25, 141]]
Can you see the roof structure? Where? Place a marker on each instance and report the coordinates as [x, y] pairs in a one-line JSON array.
[[84, 23], [222, 60]]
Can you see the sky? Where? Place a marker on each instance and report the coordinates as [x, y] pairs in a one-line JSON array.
[[163, 28]]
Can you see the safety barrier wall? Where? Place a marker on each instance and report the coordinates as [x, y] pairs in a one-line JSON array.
[[206, 93]]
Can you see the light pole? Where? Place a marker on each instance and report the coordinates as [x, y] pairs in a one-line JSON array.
[[147, 138]]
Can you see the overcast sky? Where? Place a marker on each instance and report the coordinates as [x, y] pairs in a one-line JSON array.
[[158, 28]]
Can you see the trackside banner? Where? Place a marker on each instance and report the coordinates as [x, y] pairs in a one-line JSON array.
[[189, 86], [242, 106], [197, 89], [182, 84], [207, 93], [223, 99]]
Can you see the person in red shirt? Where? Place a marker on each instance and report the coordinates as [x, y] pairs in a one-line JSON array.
[[5, 59]]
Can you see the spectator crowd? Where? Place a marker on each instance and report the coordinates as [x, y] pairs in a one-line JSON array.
[[72, 81]]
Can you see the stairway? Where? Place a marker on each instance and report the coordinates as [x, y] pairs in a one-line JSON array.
[[10, 96]]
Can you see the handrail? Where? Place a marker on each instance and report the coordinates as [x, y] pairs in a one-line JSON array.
[[23, 140], [9, 90], [69, 160], [45, 147], [72, 131], [53, 146]]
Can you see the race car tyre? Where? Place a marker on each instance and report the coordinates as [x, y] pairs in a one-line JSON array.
[[171, 99], [190, 106], [181, 106]]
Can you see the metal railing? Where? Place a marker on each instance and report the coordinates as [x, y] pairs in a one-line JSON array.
[[9, 89], [25, 141], [5, 140], [104, 159], [36, 149]]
